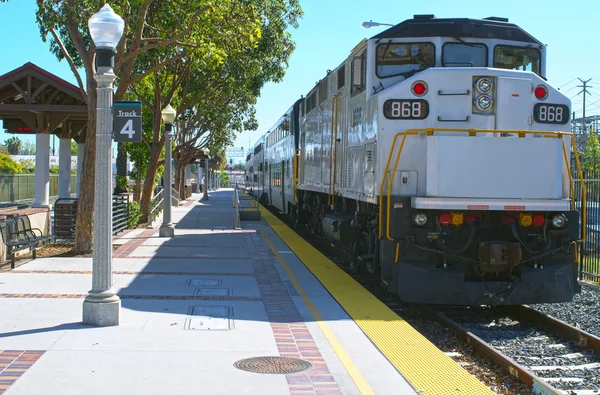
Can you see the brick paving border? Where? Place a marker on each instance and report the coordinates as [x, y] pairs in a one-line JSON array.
[[291, 334], [13, 363], [124, 250]]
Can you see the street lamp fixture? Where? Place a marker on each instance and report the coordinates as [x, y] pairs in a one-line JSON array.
[[167, 229], [168, 115], [369, 24], [102, 306]]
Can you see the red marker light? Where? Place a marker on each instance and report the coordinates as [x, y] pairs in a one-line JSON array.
[[419, 88], [538, 221], [541, 92], [508, 219], [445, 219], [472, 218]]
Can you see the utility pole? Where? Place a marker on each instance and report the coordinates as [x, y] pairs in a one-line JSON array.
[[584, 91]]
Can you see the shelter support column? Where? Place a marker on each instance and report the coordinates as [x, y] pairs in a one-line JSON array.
[[42, 170], [80, 159], [64, 168]]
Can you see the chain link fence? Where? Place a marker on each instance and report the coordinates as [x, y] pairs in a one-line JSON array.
[[20, 188], [589, 253]]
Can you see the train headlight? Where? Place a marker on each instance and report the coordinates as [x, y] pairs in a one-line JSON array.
[[559, 221], [484, 85], [420, 219], [483, 103]]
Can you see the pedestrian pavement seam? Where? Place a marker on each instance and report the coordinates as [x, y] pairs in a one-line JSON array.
[[133, 273], [14, 363], [128, 247], [140, 297], [291, 334]]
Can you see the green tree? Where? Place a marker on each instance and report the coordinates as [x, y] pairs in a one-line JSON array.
[[28, 148], [157, 34], [13, 145], [74, 148], [590, 155]]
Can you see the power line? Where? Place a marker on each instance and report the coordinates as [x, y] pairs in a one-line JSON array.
[[584, 91], [567, 83]]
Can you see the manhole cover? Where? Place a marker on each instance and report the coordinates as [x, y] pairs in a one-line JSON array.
[[273, 365]]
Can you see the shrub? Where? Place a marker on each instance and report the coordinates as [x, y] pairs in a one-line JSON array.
[[8, 165], [135, 213], [122, 182]]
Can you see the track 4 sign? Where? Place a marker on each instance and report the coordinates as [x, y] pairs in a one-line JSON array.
[[127, 121]]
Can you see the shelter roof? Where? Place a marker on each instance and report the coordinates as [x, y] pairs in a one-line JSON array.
[[33, 100]]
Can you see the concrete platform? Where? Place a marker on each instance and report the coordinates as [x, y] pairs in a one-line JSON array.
[[192, 306]]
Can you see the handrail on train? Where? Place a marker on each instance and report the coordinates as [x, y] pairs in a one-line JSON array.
[[333, 150], [474, 132]]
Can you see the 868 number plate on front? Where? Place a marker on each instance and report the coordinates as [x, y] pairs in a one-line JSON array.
[[405, 109], [557, 114]]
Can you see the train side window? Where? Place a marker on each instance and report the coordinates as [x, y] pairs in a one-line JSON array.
[[341, 77], [517, 58], [358, 74], [464, 55], [403, 59], [323, 91]]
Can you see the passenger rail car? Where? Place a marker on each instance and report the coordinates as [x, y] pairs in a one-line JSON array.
[[436, 157]]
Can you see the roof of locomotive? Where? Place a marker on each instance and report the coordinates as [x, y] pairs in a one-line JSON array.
[[430, 26]]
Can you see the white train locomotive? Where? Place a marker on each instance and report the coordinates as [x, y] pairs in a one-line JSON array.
[[436, 156]]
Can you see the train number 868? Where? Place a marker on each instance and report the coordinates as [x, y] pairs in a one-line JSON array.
[[405, 109], [551, 113]]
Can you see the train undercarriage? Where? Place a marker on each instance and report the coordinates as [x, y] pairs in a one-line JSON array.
[[457, 258]]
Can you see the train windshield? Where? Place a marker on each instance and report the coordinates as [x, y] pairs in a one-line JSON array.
[[404, 58], [464, 55], [517, 58]]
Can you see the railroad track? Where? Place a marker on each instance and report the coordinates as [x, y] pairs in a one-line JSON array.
[[550, 356], [571, 355]]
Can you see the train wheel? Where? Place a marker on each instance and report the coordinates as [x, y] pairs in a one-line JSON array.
[[371, 266], [354, 263]]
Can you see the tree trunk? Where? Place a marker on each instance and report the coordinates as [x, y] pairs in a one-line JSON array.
[[138, 186], [149, 184], [85, 206], [181, 171]]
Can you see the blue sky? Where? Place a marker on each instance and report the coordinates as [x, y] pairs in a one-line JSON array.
[[331, 28]]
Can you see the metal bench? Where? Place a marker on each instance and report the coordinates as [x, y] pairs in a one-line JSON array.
[[24, 228], [15, 241]]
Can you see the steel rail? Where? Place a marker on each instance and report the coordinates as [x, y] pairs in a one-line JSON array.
[[564, 330], [486, 350], [527, 314]]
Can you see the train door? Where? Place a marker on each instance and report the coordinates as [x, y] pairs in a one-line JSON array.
[[283, 186]]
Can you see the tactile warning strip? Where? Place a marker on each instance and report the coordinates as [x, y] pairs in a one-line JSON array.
[[425, 366], [13, 363]]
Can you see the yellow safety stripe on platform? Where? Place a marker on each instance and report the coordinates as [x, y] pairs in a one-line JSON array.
[[343, 356], [426, 367]]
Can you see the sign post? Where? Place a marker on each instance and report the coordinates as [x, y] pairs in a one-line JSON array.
[[127, 121]]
